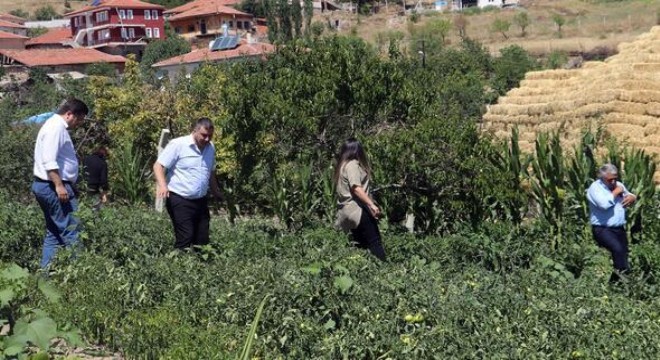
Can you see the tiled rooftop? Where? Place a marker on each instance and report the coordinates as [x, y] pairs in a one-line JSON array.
[[54, 57], [202, 55], [53, 36], [126, 4]]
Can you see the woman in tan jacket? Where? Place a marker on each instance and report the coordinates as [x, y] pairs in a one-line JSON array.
[[357, 211]]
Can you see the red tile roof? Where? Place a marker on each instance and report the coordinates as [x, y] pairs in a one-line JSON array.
[[8, 35], [206, 10], [54, 57], [12, 18], [8, 24], [125, 4], [201, 3], [53, 36], [202, 55]]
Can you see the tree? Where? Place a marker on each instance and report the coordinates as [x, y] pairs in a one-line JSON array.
[[254, 7], [20, 13], [432, 35], [297, 17], [501, 26], [460, 23], [522, 20], [159, 50], [46, 13], [101, 69], [284, 17], [441, 27], [271, 20], [510, 68], [559, 21], [308, 9]]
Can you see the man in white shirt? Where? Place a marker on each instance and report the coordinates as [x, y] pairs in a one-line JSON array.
[[55, 174], [190, 164]]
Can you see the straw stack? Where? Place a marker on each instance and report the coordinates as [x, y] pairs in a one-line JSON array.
[[621, 94]]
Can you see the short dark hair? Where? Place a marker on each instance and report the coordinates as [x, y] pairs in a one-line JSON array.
[[74, 105], [204, 122]]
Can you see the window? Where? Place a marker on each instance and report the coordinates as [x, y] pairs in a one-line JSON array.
[[122, 14], [103, 34], [157, 33], [154, 14], [124, 35], [191, 28], [147, 15], [131, 33], [75, 21], [102, 16], [129, 14], [148, 32], [246, 24], [231, 24], [177, 30]]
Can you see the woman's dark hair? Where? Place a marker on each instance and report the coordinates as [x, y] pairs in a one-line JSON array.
[[351, 150]]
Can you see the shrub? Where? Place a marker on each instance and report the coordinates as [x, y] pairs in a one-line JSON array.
[[556, 59], [45, 13]]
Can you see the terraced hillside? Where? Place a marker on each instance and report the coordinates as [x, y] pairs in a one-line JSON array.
[[622, 94]]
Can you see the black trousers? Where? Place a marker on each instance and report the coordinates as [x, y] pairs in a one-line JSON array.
[[367, 235], [616, 242], [190, 219]]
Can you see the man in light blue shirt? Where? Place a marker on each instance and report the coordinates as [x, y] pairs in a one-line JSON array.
[[608, 200], [184, 172]]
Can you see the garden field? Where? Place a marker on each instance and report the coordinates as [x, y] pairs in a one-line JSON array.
[[500, 291]]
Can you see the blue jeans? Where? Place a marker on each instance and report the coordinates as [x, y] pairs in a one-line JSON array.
[[62, 227]]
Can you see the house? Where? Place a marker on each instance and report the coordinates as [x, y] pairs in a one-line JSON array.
[[460, 4], [56, 60], [187, 63], [12, 18], [13, 28], [12, 41], [48, 24], [117, 26], [202, 18], [55, 38]]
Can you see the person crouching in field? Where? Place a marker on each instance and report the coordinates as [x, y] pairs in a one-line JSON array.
[[608, 200], [190, 164], [96, 175], [357, 212]]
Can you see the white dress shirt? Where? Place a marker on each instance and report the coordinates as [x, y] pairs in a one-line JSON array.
[[54, 150], [188, 168]]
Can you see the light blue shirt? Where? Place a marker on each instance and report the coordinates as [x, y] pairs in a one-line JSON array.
[[188, 168], [605, 210]]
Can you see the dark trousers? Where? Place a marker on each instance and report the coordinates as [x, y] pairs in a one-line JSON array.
[[367, 236], [190, 219], [616, 242]]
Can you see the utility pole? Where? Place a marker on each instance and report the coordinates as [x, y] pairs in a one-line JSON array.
[[423, 54]]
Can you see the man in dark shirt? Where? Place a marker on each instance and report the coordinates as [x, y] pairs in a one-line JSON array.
[[96, 175]]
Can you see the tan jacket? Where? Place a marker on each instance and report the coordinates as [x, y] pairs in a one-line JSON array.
[[350, 212]]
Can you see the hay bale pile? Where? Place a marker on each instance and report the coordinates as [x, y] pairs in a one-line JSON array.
[[622, 94]]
